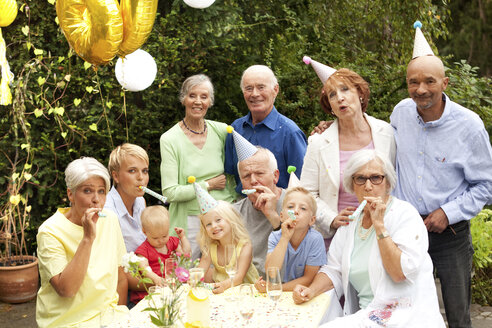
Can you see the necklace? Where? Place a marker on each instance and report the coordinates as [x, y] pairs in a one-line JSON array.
[[364, 235], [193, 131]]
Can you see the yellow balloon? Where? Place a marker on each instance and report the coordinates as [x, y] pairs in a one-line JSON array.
[[138, 20], [8, 12], [94, 28]]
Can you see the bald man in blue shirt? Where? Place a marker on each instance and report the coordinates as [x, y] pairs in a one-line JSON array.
[[444, 167]]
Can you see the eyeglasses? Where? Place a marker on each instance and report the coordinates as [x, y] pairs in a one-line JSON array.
[[361, 180]]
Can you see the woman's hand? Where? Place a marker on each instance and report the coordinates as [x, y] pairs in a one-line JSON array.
[[376, 208], [302, 294], [342, 218], [217, 183], [88, 221]]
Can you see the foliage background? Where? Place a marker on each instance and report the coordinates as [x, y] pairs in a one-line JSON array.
[[63, 109]]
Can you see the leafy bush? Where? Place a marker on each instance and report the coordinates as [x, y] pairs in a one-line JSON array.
[[481, 231]]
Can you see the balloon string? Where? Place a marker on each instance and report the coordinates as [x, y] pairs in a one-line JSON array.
[[124, 110], [104, 109]]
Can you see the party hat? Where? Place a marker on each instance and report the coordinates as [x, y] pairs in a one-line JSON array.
[[244, 148], [420, 46], [323, 71], [205, 201], [293, 180]]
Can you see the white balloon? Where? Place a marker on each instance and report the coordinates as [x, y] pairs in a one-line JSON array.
[[200, 4], [136, 71]]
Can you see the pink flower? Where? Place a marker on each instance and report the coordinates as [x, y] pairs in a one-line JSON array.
[[178, 254], [182, 274], [187, 255]]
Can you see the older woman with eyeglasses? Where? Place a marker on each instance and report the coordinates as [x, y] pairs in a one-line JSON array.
[[380, 260]]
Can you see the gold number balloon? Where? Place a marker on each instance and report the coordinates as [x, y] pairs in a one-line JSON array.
[[94, 28], [138, 19], [8, 12]]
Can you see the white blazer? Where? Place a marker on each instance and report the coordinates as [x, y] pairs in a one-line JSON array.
[[321, 170], [416, 295]]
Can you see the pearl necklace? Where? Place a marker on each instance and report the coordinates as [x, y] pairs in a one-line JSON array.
[[364, 235], [193, 131]]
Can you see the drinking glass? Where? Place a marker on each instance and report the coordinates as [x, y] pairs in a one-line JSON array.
[[231, 262], [196, 275], [169, 267], [274, 284], [246, 308]]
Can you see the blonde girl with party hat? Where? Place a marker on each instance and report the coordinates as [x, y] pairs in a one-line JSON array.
[[221, 225]]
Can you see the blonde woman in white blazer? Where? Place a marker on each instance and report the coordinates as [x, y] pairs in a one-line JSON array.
[[345, 95], [380, 260]]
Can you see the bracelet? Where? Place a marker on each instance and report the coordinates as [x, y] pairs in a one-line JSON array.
[[207, 185], [383, 235]]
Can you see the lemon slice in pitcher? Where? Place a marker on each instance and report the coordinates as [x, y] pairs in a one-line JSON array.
[[198, 294]]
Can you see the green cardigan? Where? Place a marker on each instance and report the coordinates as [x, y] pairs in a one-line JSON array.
[[180, 158]]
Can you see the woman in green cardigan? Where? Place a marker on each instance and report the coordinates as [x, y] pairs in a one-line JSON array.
[[194, 146]]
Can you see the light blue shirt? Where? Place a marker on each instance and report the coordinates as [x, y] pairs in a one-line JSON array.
[[131, 227], [445, 163], [311, 252]]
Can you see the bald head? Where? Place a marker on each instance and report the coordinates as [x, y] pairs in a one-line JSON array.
[[426, 63]]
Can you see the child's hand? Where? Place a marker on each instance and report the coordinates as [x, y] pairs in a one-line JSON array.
[[219, 288], [288, 227], [260, 285], [180, 232], [159, 281]]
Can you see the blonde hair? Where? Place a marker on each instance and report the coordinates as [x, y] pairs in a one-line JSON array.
[[312, 201], [227, 212], [153, 216], [121, 152]]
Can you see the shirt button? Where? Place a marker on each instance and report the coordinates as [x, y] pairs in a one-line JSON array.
[[420, 199], [421, 153], [419, 177]]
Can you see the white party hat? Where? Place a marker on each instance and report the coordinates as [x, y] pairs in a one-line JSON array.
[[244, 148], [205, 201], [323, 71], [293, 179], [420, 46]]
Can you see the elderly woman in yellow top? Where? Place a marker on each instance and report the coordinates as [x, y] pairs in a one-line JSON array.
[[79, 251], [380, 260]]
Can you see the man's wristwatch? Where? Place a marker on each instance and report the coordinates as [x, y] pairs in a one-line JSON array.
[[383, 235]]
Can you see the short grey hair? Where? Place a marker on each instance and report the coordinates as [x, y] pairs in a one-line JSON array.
[[194, 81], [79, 170], [361, 158], [272, 161], [260, 69]]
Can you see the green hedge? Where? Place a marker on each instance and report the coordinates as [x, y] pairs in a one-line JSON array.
[[63, 110]]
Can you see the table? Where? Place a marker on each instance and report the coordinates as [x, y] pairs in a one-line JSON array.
[[224, 313]]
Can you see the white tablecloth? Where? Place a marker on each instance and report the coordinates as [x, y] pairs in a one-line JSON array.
[[224, 313]]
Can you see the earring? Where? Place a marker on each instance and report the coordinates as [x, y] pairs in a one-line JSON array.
[[361, 99]]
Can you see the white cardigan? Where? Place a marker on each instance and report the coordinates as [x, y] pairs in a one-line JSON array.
[[321, 170], [418, 291]]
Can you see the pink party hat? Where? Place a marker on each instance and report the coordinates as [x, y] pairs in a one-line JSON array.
[[244, 148], [205, 201], [420, 46], [323, 71], [293, 180]]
